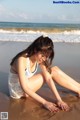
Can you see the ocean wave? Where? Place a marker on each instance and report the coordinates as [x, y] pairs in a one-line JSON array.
[[29, 35], [33, 31], [75, 32]]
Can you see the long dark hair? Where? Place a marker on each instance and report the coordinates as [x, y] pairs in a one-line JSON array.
[[41, 44]]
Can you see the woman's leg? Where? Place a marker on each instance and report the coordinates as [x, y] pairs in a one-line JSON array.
[[68, 78], [64, 80], [35, 83]]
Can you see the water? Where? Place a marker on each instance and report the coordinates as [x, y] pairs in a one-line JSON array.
[[27, 32]]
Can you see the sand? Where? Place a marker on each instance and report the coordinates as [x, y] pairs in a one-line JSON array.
[[67, 57], [29, 109]]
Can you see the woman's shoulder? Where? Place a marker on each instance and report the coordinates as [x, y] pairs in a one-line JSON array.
[[22, 60]]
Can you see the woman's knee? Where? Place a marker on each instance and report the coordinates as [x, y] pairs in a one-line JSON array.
[[38, 78], [55, 70], [35, 82], [41, 78]]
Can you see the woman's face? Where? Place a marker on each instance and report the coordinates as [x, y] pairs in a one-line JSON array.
[[40, 57]]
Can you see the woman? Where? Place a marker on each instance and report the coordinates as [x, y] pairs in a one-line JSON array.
[[24, 82]]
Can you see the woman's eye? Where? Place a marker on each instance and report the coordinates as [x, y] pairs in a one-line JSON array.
[[42, 55]]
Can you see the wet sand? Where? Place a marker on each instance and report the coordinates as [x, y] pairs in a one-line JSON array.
[[31, 110], [67, 57]]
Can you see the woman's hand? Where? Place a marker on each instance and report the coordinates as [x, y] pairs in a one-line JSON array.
[[63, 105], [51, 107]]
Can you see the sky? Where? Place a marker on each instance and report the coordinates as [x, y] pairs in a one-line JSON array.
[[40, 11]]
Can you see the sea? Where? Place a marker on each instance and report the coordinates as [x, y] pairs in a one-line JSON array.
[[28, 32]]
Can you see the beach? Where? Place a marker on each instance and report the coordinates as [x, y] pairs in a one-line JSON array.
[[67, 58]]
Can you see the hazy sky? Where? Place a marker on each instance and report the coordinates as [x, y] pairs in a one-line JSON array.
[[39, 11]]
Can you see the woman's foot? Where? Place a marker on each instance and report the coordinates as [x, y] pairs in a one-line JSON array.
[[26, 95], [78, 93]]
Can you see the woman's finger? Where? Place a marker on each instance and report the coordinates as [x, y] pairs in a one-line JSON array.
[[53, 109], [65, 107], [54, 104]]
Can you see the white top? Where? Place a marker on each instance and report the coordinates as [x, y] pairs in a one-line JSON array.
[[15, 88], [28, 73]]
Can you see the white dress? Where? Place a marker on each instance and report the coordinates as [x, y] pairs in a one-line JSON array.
[[15, 88]]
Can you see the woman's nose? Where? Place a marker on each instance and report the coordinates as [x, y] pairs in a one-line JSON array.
[[43, 58]]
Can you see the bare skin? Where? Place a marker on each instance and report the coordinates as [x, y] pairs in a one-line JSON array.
[[35, 83], [31, 85], [64, 80]]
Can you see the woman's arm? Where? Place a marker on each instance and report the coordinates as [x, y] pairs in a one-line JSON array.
[[50, 82], [52, 86], [23, 81]]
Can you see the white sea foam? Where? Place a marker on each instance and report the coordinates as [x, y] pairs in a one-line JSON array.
[[72, 36]]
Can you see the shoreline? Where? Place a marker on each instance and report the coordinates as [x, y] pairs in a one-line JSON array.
[[39, 29]]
